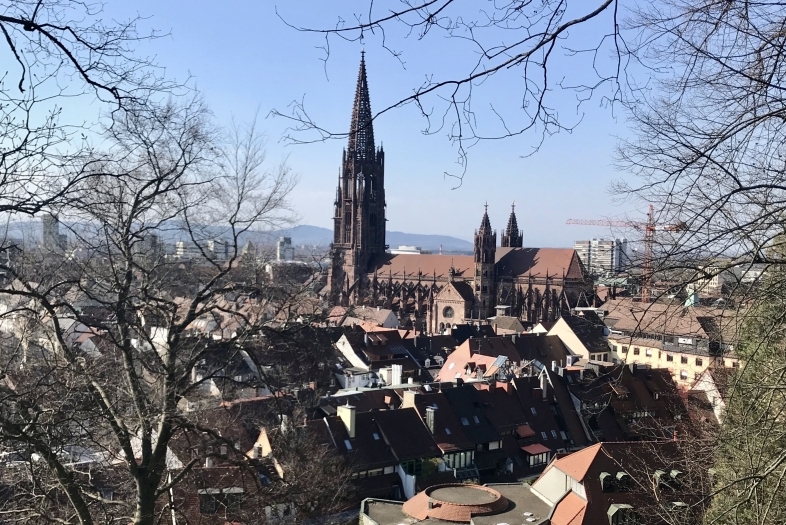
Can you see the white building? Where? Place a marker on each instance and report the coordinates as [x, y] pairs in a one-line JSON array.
[[603, 256], [284, 249]]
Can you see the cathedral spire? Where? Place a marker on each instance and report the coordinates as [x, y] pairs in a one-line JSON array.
[[361, 129], [485, 224], [512, 238]]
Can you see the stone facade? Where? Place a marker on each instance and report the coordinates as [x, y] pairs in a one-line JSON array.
[[430, 291]]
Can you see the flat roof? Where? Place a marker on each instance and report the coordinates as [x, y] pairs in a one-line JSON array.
[[526, 506]]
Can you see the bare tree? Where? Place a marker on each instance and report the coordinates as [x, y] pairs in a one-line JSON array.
[[78, 419], [62, 56]]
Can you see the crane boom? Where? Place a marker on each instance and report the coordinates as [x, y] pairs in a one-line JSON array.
[[649, 239]]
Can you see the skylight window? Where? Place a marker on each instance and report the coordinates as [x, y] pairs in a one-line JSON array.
[[543, 435], [534, 412], [464, 421], [554, 434], [451, 365], [348, 444], [447, 431], [477, 421], [376, 436]]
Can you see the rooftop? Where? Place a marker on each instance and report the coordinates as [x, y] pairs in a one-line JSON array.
[[459, 503]]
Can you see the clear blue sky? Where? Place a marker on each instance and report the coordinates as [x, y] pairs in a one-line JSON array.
[[243, 58]]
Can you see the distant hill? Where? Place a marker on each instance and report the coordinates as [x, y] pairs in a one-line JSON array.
[[307, 235], [314, 235]]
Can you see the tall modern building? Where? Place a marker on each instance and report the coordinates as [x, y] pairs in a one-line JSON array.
[[51, 238], [603, 256]]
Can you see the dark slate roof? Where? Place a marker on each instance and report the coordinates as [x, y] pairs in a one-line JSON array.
[[566, 411], [448, 431], [467, 404], [406, 434], [590, 330]]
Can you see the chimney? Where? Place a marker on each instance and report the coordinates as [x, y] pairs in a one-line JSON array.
[[632, 367], [409, 398], [513, 338], [378, 308], [365, 339], [415, 340], [396, 373], [504, 385], [431, 415], [208, 462], [544, 381], [553, 366], [347, 415]]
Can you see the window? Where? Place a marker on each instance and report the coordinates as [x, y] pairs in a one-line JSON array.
[[465, 421], [554, 434], [699, 362], [624, 349], [543, 435], [413, 468], [207, 503], [376, 436], [635, 350], [447, 431], [348, 444], [684, 360], [534, 412], [684, 375], [669, 357], [448, 312], [538, 459], [476, 420], [648, 352]]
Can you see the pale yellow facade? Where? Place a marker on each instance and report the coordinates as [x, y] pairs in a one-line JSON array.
[[685, 367]]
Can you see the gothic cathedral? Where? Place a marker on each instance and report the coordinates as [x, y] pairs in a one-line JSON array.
[[429, 291]]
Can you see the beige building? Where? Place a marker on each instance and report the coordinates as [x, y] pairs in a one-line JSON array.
[[687, 341]]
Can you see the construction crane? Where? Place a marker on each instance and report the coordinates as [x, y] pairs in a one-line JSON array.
[[649, 228]]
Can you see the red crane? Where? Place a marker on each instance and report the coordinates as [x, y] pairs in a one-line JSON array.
[[649, 239]]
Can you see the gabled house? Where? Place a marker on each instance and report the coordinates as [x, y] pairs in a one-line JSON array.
[[620, 483]]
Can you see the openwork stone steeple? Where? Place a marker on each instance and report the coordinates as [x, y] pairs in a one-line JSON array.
[[512, 238], [359, 217], [361, 129]]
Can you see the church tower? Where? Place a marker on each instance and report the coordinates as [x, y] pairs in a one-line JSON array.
[[485, 258], [512, 238], [359, 216]]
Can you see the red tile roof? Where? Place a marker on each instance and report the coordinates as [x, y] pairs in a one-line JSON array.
[[570, 510], [577, 464], [536, 448], [440, 502]]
